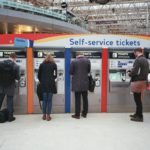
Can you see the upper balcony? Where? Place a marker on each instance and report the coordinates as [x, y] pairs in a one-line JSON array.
[[13, 14]]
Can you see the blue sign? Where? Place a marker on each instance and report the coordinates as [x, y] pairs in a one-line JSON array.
[[19, 42]]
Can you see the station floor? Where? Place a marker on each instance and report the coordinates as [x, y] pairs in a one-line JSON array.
[[111, 131]]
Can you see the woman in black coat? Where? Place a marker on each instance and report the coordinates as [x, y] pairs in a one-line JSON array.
[[47, 75]]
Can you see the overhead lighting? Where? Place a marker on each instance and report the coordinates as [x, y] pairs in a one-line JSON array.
[[64, 5], [102, 2], [23, 28]]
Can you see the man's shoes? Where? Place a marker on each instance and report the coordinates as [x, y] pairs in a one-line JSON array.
[[137, 119], [134, 115], [75, 116], [84, 116], [10, 119]]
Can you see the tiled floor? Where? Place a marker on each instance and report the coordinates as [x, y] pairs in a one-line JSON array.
[[112, 131]]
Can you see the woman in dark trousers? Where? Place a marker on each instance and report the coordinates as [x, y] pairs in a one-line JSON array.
[[47, 75]]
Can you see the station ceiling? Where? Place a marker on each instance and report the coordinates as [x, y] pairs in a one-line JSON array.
[[117, 16]]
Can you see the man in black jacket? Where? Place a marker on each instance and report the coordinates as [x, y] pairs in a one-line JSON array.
[[10, 89], [139, 75]]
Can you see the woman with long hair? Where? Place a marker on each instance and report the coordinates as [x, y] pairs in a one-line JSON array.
[[47, 75]]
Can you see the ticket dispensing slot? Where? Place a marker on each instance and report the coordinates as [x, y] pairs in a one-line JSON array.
[[118, 78], [22, 82]]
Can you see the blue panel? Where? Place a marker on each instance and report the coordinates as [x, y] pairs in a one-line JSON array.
[[67, 80], [19, 42]]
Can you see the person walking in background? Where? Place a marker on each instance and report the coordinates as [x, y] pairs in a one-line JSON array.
[[47, 74], [79, 69], [139, 76], [9, 72]]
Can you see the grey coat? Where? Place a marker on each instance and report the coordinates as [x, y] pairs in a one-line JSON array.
[[79, 69], [11, 89], [140, 69]]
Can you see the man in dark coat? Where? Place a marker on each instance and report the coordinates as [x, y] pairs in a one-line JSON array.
[[10, 89], [139, 75], [79, 69]]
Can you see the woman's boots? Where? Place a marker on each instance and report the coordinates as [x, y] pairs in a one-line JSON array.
[[48, 117]]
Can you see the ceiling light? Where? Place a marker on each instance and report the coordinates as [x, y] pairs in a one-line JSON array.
[[102, 2]]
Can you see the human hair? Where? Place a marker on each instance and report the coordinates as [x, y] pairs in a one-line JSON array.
[[12, 55], [78, 53], [49, 58], [140, 50]]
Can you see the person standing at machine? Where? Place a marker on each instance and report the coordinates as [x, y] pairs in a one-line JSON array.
[[47, 74], [9, 72], [79, 69], [139, 75]]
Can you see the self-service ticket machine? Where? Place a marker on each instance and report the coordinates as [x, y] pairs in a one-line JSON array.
[[119, 98], [20, 97], [58, 101], [94, 98]]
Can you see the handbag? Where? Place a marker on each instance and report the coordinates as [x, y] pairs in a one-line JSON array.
[[138, 86], [55, 88], [91, 83], [39, 93]]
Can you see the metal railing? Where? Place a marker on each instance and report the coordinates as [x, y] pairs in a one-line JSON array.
[[30, 8]]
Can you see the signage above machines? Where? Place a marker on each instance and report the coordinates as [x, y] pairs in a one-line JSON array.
[[121, 55], [6, 53], [121, 59], [43, 53], [89, 54], [20, 42], [76, 40]]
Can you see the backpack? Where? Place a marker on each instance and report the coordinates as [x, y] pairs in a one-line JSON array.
[[7, 73], [3, 115], [91, 83]]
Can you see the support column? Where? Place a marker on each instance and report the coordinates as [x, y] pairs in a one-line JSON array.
[[67, 80], [30, 81], [104, 80]]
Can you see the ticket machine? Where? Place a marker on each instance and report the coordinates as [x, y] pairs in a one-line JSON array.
[[20, 97], [58, 100], [119, 98], [94, 98]]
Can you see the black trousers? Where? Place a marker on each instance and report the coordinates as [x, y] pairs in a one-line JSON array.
[[78, 103], [9, 103], [2, 95], [138, 102]]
